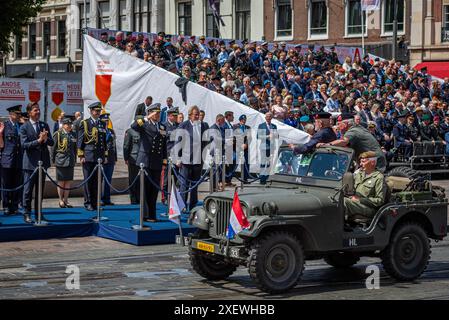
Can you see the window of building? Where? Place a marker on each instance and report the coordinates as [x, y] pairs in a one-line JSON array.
[[46, 44], [317, 18], [18, 47], [445, 31], [283, 18], [388, 15], [83, 22], [62, 38], [32, 41], [142, 15], [122, 19], [185, 18], [104, 12], [211, 23], [243, 19], [354, 18]]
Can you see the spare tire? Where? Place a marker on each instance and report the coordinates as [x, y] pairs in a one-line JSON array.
[[404, 172]]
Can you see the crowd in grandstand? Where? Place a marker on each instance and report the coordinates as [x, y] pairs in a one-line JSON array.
[[398, 104]]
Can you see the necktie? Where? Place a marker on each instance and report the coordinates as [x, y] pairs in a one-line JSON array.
[[36, 127]]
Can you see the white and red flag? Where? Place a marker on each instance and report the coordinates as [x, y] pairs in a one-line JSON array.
[[176, 206]]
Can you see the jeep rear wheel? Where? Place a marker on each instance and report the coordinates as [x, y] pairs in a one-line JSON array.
[[408, 254], [276, 261], [341, 259], [210, 267]]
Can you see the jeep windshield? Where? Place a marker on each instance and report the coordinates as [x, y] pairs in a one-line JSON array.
[[320, 165]]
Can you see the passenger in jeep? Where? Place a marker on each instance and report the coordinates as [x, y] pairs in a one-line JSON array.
[[369, 190]]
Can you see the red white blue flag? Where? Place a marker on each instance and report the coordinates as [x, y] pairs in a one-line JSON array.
[[237, 220], [176, 205]]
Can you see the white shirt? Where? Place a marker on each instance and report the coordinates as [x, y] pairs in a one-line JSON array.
[[33, 123]]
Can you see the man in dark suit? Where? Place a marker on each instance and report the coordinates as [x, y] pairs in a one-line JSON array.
[[242, 141], [229, 143], [35, 139], [153, 155], [266, 132], [216, 136], [141, 107], [11, 160], [131, 145], [191, 148], [314, 94], [91, 147]]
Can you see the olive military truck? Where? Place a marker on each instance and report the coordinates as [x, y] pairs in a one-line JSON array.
[[299, 215]]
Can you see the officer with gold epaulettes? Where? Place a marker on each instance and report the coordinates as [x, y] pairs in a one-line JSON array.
[[153, 155], [91, 147]]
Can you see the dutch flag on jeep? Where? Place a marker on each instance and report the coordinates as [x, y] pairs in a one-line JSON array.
[[237, 220]]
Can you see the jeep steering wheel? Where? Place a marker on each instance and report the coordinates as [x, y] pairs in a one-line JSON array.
[[329, 173]]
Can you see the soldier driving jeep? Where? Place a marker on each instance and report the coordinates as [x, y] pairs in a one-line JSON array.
[[369, 190]]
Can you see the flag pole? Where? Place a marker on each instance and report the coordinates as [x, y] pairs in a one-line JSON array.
[[363, 31], [181, 236]]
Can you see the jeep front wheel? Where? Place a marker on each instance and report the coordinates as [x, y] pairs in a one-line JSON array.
[[341, 259], [210, 267], [407, 255], [276, 261]]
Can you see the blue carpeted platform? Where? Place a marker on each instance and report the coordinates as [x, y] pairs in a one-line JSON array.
[[76, 222]]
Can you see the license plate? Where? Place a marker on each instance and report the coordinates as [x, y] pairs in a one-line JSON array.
[[205, 246]]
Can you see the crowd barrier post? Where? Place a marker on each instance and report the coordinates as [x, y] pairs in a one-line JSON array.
[[169, 184], [242, 169], [181, 236], [99, 218], [217, 173], [140, 226], [211, 176], [39, 221], [223, 173]]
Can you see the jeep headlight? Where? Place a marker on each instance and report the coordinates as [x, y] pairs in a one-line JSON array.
[[212, 207], [268, 208]]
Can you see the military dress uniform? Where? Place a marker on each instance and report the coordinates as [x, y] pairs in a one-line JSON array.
[[63, 152], [131, 146], [371, 191], [11, 164], [91, 146], [170, 128], [109, 166], [400, 134], [153, 155]]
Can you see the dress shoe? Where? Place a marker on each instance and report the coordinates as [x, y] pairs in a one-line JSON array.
[[150, 220], [107, 203], [62, 204], [90, 208], [27, 218], [68, 205]]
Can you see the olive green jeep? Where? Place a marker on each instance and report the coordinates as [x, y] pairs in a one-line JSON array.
[[299, 215]]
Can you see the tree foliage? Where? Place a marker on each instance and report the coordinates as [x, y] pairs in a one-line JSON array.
[[14, 15]]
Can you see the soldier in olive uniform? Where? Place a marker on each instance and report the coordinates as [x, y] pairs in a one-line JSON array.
[[153, 155], [131, 146], [369, 187], [63, 155], [109, 165], [91, 147], [11, 160]]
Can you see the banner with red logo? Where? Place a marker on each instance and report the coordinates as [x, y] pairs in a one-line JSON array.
[[20, 91]]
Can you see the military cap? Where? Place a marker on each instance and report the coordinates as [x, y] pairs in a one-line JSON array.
[[242, 117], [155, 107], [15, 109], [24, 115], [426, 117], [68, 119], [346, 116], [304, 119], [367, 155], [95, 106], [323, 115], [174, 110]]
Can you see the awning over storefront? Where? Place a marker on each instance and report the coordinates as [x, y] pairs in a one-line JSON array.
[[439, 69]]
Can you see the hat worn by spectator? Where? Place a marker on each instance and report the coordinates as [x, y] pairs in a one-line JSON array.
[[426, 117], [242, 117], [95, 106], [304, 119], [436, 118], [419, 109], [323, 115], [155, 107], [367, 155], [371, 125], [15, 109], [308, 101]]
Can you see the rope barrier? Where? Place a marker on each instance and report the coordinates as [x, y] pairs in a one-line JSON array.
[[23, 184], [75, 187], [116, 190]]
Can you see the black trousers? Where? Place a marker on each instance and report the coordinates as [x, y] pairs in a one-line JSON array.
[[90, 188], [10, 180], [190, 172], [151, 192], [134, 192], [31, 186]]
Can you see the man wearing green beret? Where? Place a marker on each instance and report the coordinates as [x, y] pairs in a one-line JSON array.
[[369, 190], [428, 135]]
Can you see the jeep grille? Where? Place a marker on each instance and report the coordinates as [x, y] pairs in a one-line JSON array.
[[222, 217]]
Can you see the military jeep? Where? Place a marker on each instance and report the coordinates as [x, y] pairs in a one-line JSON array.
[[299, 215]]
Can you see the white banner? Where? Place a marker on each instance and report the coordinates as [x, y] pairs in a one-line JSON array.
[[120, 82], [63, 96], [21, 91]]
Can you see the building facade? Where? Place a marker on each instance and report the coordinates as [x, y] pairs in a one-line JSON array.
[[337, 22], [430, 37], [242, 19]]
